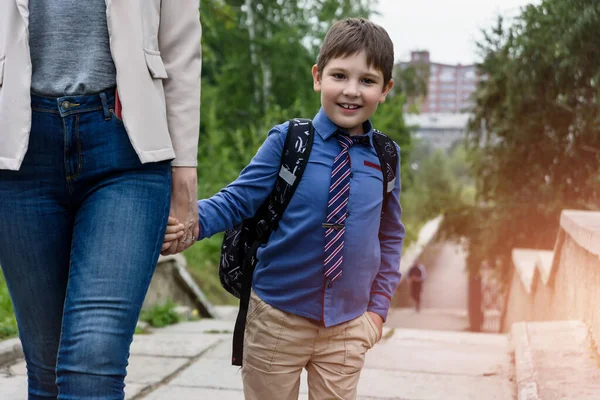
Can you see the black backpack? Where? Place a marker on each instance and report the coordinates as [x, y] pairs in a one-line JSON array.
[[238, 253]]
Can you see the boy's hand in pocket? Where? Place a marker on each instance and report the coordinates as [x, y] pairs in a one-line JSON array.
[[175, 231], [377, 320]]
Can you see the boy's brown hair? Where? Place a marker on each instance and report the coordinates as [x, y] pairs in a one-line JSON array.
[[353, 35]]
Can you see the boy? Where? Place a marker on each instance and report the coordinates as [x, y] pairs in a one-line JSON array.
[[320, 295]]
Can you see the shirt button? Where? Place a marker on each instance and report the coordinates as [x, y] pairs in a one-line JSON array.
[[351, 174], [330, 285], [65, 105]]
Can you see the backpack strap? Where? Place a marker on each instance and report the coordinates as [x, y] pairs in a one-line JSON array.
[[294, 158], [388, 159]]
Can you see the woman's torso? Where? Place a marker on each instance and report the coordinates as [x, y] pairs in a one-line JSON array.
[[69, 45]]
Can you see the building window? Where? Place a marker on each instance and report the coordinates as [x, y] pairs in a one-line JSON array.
[[469, 74], [469, 87], [447, 74]]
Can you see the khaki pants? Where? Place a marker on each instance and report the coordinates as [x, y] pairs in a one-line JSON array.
[[278, 345]]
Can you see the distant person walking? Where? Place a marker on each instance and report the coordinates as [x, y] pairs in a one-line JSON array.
[[416, 275]]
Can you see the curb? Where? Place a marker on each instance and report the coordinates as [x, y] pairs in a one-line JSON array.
[[525, 371], [555, 360], [10, 351]]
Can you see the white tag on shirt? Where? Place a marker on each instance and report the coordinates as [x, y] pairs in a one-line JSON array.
[[391, 185]]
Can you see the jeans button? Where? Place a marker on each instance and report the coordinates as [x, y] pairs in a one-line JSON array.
[[65, 104]]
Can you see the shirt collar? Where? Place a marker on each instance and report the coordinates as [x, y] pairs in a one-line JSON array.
[[326, 128]]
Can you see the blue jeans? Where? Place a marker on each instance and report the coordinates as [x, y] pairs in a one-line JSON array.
[[81, 226]]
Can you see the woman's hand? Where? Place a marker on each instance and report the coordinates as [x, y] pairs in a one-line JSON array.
[[184, 207]]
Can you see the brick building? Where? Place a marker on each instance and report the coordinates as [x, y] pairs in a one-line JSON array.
[[449, 86]]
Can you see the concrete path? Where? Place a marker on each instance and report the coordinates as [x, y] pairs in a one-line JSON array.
[[444, 296], [429, 318], [191, 361], [446, 286]]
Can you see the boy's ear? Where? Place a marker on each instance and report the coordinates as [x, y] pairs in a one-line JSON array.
[[316, 78], [386, 90]]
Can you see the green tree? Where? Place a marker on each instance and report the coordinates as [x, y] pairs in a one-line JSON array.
[[412, 81], [534, 134]]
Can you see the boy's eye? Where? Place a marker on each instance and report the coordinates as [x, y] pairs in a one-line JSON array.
[[338, 76], [368, 81]]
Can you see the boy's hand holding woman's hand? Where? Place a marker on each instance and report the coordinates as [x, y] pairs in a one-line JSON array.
[[175, 231], [184, 208]]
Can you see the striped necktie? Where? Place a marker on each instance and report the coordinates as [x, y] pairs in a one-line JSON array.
[[339, 190]]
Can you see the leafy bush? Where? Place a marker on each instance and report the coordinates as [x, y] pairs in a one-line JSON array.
[[161, 315]]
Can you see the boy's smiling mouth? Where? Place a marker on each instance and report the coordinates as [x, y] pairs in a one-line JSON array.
[[348, 106]]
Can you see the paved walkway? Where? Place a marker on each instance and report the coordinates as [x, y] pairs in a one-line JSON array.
[[187, 361], [192, 360], [444, 296]]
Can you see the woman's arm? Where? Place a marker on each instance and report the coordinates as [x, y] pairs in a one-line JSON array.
[[179, 43]]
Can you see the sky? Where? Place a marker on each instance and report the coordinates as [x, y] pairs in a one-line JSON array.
[[449, 29]]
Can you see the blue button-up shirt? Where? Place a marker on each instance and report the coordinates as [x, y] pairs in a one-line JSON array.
[[289, 272]]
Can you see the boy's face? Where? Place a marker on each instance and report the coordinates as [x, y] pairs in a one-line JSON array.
[[350, 91]]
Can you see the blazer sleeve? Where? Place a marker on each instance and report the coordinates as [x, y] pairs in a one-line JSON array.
[[179, 39]]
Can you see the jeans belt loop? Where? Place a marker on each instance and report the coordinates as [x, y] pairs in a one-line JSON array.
[[104, 99]]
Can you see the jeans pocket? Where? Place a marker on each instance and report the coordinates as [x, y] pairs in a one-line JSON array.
[[119, 120]]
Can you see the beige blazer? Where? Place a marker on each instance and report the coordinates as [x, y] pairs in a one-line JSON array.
[[155, 45]]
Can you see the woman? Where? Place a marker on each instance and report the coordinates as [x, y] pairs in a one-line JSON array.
[[85, 188]]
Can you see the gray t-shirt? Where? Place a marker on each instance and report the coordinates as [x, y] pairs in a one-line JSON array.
[[70, 49]]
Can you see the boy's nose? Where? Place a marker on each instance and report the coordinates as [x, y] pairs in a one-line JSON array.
[[352, 90]]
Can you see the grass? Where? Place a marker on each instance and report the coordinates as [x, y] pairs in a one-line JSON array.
[[140, 331], [8, 323], [161, 315]]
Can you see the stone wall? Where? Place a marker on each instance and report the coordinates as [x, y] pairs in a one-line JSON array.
[[570, 289], [171, 281]]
